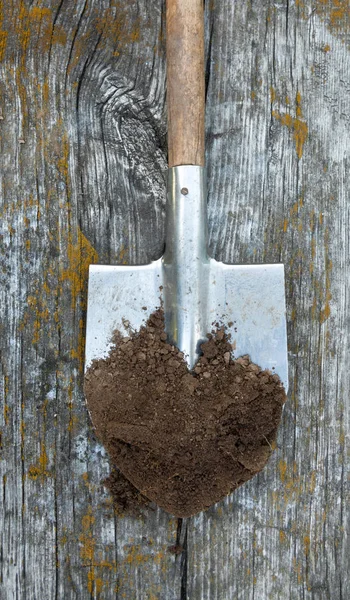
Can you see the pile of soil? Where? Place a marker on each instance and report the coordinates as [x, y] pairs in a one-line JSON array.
[[184, 439]]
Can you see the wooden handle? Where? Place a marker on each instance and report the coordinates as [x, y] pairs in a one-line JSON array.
[[185, 82]]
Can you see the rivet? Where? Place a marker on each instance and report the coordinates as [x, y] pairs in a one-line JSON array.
[[184, 191]]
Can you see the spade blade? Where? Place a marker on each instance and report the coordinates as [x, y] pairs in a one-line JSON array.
[[119, 297]]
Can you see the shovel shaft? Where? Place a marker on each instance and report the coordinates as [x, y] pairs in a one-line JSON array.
[[185, 82], [185, 261]]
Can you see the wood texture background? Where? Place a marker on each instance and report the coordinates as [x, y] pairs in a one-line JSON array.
[[83, 155]]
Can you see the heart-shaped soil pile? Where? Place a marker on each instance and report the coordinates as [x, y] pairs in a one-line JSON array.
[[184, 439]]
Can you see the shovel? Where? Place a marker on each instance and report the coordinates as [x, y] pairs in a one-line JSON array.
[[197, 292]]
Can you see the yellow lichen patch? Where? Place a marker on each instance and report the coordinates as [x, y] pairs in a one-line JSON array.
[[297, 125], [6, 385], [39, 469], [105, 564], [38, 13], [119, 26], [29, 204], [22, 30], [59, 36], [293, 485], [64, 537], [135, 557], [140, 555], [298, 105], [36, 25], [73, 419], [335, 12], [87, 553], [86, 538], [38, 305], [6, 413], [3, 43], [81, 255], [80, 46], [297, 566], [312, 220], [282, 536], [62, 163], [313, 255], [3, 35], [326, 311], [22, 26], [94, 583], [45, 93], [37, 313], [282, 467], [306, 545]]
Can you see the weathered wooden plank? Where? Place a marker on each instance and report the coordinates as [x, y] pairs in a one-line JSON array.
[[83, 155], [278, 189], [71, 98]]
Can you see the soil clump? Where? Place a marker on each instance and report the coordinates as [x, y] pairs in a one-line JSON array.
[[183, 439]]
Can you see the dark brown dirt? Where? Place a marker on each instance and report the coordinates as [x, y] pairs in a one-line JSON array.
[[183, 439], [126, 497]]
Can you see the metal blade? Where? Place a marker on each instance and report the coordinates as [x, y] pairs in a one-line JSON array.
[[250, 301], [117, 295]]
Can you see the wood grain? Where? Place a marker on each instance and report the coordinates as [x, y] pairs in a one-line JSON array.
[[83, 155], [185, 82]]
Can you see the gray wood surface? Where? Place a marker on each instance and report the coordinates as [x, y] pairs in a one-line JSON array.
[[83, 155]]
